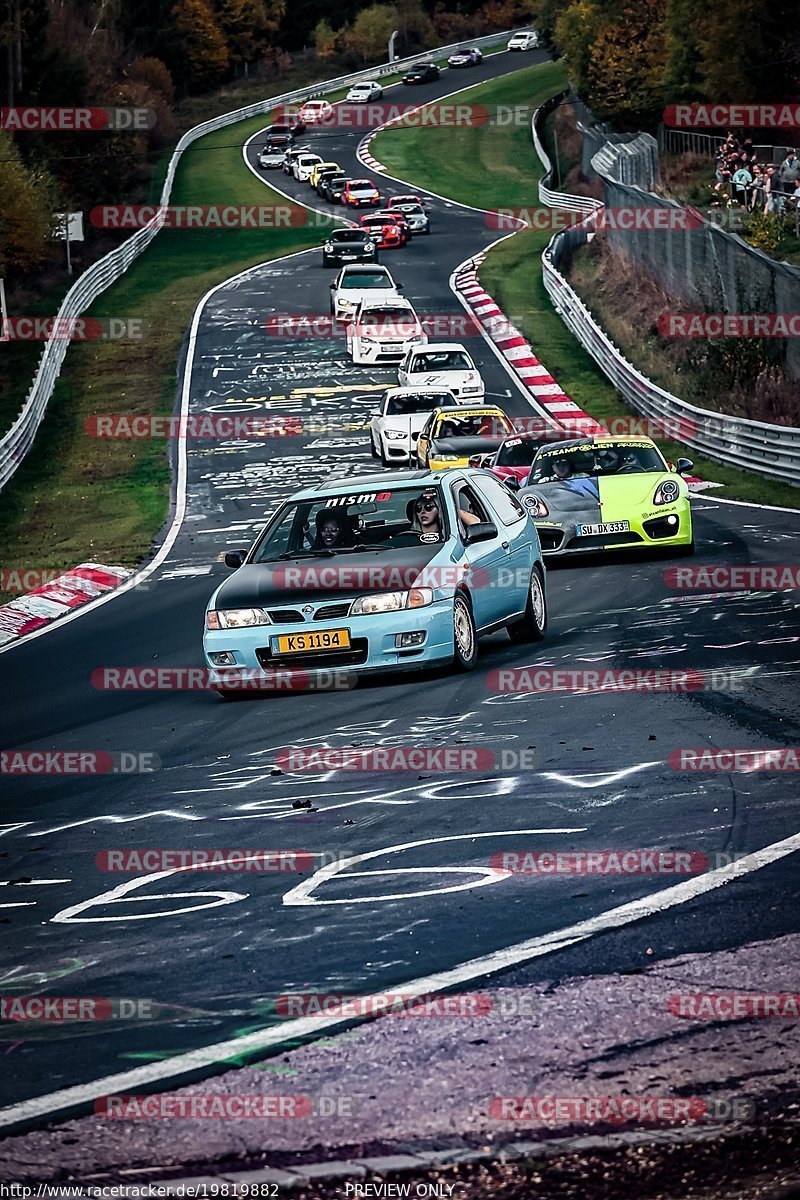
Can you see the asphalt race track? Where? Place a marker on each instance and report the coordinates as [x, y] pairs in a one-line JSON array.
[[211, 951]]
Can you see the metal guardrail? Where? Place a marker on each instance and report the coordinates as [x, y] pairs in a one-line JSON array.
[[765, 449], [553, 199], [16, 443]]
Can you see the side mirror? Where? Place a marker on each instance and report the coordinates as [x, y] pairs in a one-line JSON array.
[[235, 558], [512, 483], [683, 465], [484, 531], [398, 287]]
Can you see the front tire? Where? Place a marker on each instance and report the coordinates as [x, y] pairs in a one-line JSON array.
[[465, 637], [533, 625]]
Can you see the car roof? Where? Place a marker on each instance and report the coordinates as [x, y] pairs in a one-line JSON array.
[[356, 483], [415, 391], [351, 268], [437, 347], [603, 443], [470, 410]]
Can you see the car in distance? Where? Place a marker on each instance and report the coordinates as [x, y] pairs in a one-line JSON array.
[[362, 93], [331, 187], [367, 576], [424, 72], [469, 57], [271, 155], [313, 178], [356, 282], [528, 40], [590, 494], [292, 157], [303, 166], [315, 112], [282, 129], [443, 364], [383, 331], [348, 245], [413, 214], [394, 217], [396, 423], [451, 436], [361, 193], [512, 460]]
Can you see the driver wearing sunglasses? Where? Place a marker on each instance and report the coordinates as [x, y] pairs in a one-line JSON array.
[[428, 519]]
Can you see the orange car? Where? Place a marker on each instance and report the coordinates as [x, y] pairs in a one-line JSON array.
[[361, 193]]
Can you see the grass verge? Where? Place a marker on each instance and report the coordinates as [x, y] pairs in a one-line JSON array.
[[486, 167]]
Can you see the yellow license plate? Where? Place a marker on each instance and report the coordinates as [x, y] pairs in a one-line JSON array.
[[320, 639]]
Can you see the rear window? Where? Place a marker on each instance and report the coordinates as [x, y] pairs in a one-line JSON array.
[[448, 360], [365, 279], [402, 406]]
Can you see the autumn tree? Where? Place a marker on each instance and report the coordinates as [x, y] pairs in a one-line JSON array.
[[30, 197], [201, 52], [369, 34], [324, 39]]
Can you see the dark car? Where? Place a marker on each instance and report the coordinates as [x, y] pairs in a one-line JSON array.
[[328, 173], [422, 73], [348, 245], [282, 130], [331, 188]]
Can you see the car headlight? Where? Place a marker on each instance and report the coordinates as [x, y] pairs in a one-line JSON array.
[[369, 248], [236, 618], [328, 246], [394, 435], [346, 304], [667, 492], [392, 602], [444, 457], [536, 506]]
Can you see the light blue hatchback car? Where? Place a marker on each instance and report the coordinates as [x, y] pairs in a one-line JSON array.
[[381, 573]]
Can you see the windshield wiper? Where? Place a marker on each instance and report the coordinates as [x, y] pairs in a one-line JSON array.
[[323, 552]]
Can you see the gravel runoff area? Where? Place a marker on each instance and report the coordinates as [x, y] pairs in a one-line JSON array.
[[426, 1085]]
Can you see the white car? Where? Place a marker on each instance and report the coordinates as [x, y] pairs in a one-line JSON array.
[[384, 331], [362, 93], [396, 425], [315, 112], [362, 281], [272, 156], [524, 41], [443, 365], [303, 166]]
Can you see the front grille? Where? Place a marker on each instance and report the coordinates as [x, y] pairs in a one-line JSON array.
[[330, 611], [354, 657], [603, 540], [285, 616]]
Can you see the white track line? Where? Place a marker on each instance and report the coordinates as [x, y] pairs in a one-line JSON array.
[[264, 1040]]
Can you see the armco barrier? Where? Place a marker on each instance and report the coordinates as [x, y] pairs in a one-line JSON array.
[[19, 439], [770, 450]]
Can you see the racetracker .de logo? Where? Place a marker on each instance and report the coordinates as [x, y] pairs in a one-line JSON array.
[[579, 1110], [73, 329], [74, 1008], [548, 679], [203, 679], [781, 578], [386, 1004], [207, 216], [732, 1006], [149, 861], [629, 219], [677, 429], [599, 862], [729, 325], [78, 762], [405, 758], [202, 426], [405, 325], [76, 120], [735, 116], [705, 759], [195, 1106]]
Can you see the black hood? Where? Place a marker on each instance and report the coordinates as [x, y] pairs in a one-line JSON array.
[[296, 581], [466, 446]]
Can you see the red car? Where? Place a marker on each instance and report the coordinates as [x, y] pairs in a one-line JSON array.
[[511, 461], [387, 233], [361, 193], [396, 218], [394, 201]]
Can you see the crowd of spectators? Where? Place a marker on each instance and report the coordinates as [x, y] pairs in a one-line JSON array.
[[742, 180]]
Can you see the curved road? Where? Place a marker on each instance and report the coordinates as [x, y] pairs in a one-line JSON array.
[[213, 968]]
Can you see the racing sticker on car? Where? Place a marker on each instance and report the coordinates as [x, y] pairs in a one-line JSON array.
[[429, 537], [360, 498]]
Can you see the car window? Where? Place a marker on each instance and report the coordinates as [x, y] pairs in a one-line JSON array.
[[507, 507], [365, 279], [448, 360], [467, 501], [401, 406]]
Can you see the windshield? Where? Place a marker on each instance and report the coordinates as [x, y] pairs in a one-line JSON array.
[[456, 425], [402, 406], [339, 525], [362, 187], [573, 462], [517, 452], [447, 360], [348, 235], [366, 279]]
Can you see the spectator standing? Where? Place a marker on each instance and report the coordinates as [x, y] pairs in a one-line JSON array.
[[789, 173], [742, 180], [772, 193], [757, 189]]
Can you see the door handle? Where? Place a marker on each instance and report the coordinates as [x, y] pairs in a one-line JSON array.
[[505, 545]]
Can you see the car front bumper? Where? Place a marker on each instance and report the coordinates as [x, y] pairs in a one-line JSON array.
[[560, 540], [372, 640]]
